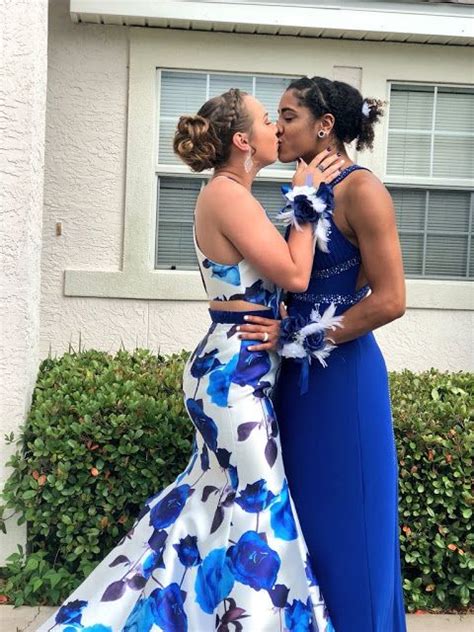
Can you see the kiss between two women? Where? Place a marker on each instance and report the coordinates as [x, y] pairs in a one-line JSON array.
[[286, 517]]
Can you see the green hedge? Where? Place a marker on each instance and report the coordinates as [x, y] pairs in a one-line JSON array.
[[434, 430], [105, 432]]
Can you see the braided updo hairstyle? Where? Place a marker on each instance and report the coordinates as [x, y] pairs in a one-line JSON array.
[[323, 96], [204, 140]]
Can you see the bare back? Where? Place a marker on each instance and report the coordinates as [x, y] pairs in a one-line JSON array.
[[232, 229]]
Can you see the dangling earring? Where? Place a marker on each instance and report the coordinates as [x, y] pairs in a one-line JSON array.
[[248, 162], [321, 133]]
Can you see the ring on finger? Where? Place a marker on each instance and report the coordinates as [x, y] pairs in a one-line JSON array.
[[321, 168], [265, 336]]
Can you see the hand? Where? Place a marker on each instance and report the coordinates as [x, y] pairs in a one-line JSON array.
[[324, 167], [261, 326]]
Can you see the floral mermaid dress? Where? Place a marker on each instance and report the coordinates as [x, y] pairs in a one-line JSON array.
[[220, 548]]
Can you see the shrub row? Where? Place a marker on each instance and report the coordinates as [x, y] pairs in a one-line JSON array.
[[106, 432]]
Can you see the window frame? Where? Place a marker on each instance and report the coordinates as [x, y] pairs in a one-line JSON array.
[[430, 183], [153, 48], [424, 182]]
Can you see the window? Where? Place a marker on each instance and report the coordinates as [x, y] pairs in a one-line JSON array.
[[430, 163], [177, 188]]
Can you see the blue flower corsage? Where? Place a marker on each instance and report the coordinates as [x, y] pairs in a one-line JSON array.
[[306, 205], [304, 339]]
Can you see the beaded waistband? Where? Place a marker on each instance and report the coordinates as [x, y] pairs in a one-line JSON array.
[[337, 299], [325, 273]]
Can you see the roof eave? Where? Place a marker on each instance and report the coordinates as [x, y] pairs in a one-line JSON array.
[[407, 24]]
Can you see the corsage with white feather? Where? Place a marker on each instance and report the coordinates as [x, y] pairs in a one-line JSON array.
[[305, 204], [304, 339]]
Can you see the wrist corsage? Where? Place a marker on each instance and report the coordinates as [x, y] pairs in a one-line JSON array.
[[305, 204], [305, 339]]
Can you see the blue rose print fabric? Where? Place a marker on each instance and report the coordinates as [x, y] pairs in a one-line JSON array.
[[221, 548], [238, 282]]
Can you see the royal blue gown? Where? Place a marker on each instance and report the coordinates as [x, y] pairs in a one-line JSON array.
[[340, 458]]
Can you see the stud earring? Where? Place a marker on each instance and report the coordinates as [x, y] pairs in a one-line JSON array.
[[248, 163], [321, 134]]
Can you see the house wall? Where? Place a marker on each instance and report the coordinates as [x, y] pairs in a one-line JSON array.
[[23, 29], [81, 225], [86, 174]]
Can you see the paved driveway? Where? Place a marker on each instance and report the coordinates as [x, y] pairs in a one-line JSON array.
[[27, 619]]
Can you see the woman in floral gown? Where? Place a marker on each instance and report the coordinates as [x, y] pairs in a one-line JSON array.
[[221, 547]]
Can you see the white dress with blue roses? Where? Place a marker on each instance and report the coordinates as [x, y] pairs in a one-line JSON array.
[[221, 548]]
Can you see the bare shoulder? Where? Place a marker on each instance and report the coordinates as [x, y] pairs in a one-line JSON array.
[[223, 189], [364, 183], [222, 195], [367, 198]]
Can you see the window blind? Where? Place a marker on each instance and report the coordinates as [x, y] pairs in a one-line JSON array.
[[431, 135], [435, 229], [431, 131], [185, 92], [175, 208]]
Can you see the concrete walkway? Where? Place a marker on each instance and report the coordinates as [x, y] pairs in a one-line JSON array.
[[26, 619]]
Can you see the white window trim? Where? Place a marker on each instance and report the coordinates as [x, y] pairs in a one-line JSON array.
[[154, 48]]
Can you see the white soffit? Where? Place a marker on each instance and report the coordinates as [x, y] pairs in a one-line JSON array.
[[425, 23]]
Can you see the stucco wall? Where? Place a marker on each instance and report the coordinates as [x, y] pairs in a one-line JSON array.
[[85, 176], [85, 179], [23, 32]]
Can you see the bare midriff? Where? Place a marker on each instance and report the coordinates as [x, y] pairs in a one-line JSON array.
[[236, 306]]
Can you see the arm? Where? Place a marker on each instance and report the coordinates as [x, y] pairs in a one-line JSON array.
[[241, 219], [372, 219]]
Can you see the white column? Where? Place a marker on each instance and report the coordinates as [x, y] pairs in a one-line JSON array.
[[23, 66]]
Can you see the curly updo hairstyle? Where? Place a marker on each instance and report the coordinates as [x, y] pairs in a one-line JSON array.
[[204, 140], [345, 103]]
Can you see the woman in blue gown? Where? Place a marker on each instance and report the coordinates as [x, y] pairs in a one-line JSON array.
[[334, 415]]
